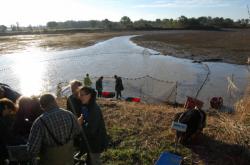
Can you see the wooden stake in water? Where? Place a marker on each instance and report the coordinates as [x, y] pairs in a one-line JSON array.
[[231, 88]]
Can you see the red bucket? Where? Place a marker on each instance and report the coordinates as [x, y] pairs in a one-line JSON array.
[[108, 94], [191, 103], [136, 99], [216, 102], [133, 99]]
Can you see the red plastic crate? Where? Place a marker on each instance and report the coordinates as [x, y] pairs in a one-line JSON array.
[[191, 103]]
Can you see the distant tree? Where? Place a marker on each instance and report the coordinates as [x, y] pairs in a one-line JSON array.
[[107, 24], [193, 22], [30, 28], [228, 23], [142, 24], [17, 26], [126, 22], [158, 20], [158, 23], [166, 23], [3, 28], [173, 23], [13, 28], [138, 24], [218, 21], [67, 24], [242, 22], [52, 24], [169, 23], [183, 21], [204, 21], [93, 23]]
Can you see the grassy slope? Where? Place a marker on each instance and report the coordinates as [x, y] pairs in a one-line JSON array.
[[140, 132]]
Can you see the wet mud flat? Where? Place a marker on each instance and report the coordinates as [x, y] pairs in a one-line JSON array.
[[230, 46]]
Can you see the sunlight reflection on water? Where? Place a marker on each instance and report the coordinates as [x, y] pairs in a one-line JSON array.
[[29, 72]]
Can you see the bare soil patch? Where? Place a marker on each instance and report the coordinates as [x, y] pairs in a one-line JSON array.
[[231, 46]]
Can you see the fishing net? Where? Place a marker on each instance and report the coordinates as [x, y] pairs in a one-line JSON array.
[[148, 88]]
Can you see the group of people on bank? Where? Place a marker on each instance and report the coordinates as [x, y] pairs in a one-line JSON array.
[[50, 132], [99, 86], [54, 134]]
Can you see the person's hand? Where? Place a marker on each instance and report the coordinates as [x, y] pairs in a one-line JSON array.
[[80, 120]]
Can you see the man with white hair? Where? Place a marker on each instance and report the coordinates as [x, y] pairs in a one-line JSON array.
[[73, 102]]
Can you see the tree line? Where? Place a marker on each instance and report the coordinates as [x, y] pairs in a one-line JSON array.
[[125, 23]]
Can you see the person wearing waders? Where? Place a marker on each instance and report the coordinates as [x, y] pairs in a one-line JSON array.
[[52, 133], [98, 87], [118, 87]]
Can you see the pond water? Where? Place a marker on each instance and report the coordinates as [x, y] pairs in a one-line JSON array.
[[34, 70]]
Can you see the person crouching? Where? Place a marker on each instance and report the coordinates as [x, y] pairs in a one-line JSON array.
[[195, 119]]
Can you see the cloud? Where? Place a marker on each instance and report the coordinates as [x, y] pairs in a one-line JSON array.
[[187, 3], [41, 11]]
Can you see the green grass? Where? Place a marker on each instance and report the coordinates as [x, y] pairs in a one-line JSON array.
[[127, 148]]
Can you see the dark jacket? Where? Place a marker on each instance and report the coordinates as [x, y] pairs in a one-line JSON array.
[[195, 120], [74, 105], [7, 137], [23, 122], [10, 93], [98, 85], [118, 84], [95, 130]]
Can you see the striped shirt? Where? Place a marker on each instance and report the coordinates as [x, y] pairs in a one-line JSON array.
[[61, 123]]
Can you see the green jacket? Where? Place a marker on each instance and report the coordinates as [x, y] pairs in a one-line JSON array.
[[87, 82]]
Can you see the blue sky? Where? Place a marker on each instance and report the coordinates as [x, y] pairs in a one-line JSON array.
[[38, 12]]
